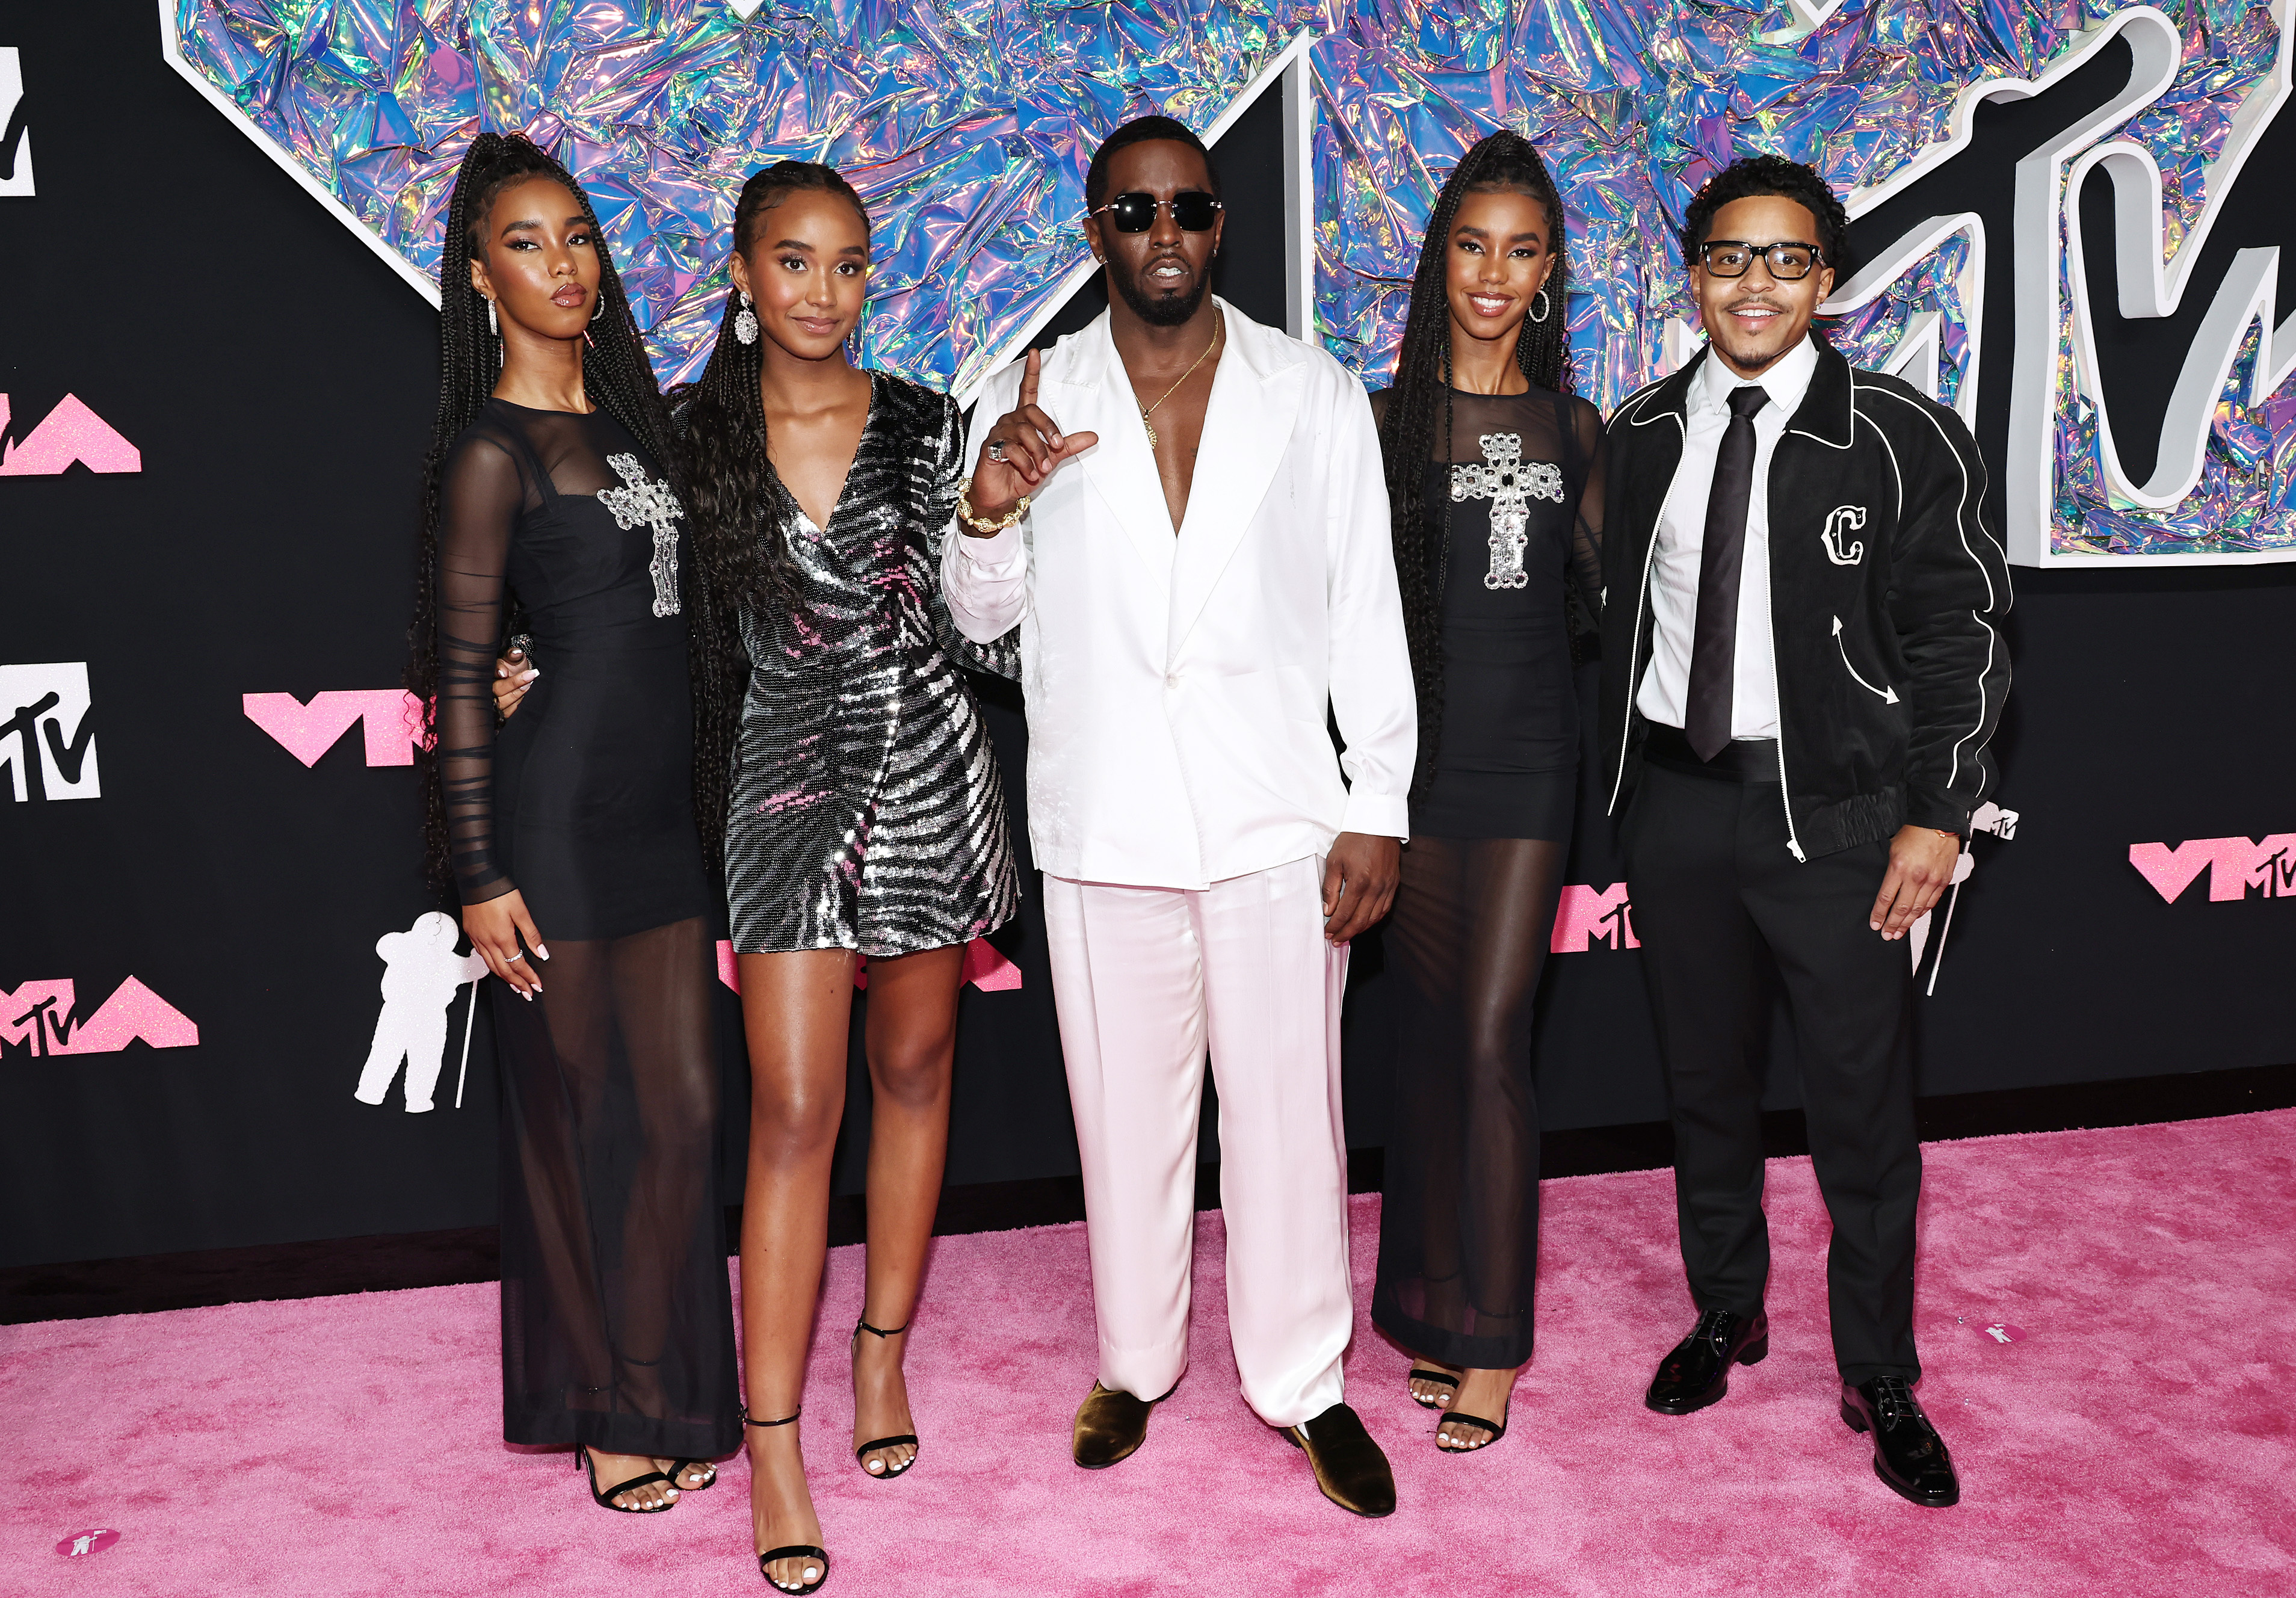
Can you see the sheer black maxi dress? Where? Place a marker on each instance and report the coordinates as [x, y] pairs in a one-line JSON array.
[[617, 1319], [1517, 486]]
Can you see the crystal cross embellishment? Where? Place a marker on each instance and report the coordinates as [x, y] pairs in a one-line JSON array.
[[648, 503], [1503, 478]]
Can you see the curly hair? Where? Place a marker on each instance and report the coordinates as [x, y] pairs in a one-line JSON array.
[[1751, 177], [1417, 420], [739, 504], [615, 373]]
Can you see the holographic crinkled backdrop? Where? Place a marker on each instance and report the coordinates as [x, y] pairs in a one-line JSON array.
[[967, 124]]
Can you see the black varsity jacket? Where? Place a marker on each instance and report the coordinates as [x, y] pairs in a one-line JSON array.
[[1887, 593]]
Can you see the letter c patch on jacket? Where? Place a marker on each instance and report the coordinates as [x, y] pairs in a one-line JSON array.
[[1852, 517]]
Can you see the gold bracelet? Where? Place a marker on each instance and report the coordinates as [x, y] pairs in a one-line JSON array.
[[981, 524]]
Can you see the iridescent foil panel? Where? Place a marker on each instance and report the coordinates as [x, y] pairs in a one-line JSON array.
[[1634, 103], [966, 124]]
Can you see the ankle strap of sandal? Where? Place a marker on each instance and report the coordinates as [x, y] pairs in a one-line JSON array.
[[785, 1421], [881, 1331]]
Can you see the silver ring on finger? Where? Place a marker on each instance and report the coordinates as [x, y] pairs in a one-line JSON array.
[[997, 450], [515, 958]]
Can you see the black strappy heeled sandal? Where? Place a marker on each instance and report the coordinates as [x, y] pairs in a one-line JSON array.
[[1498, 1430], [679, 1467], [860, 1454], [1416, 1375], [792, 1550], [605, 1500]]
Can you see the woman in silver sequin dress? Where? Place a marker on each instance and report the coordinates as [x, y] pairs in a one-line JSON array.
[[865, 816]]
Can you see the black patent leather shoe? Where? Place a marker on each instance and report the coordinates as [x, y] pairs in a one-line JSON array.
[[1350, 1468], [1909, 1457], [1697, 1373], [1109, 1426]]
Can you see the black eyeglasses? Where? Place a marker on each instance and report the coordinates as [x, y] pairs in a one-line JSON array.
[[1734, 257], [1192, 212]]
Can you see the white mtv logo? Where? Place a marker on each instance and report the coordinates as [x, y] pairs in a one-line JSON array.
[[44, 710], [15, 137]]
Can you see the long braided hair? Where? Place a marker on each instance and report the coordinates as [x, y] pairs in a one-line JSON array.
[[615, 374], [738, 504], [1417, 420]]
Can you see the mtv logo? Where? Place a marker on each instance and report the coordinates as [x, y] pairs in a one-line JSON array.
[[391, 719], [1588, 915], [2236, 866], [45, 710], [15, 136], [41, 1015]]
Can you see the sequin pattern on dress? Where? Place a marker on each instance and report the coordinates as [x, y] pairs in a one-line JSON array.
[[867, 812]]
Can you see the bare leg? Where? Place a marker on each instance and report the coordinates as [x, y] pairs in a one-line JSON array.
[[797, 1011], [912, 1046]]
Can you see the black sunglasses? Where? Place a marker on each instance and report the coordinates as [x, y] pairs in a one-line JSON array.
[[1192, 212], [1734, 257]]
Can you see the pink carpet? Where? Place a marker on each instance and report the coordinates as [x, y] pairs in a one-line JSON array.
[[2134, 1439]]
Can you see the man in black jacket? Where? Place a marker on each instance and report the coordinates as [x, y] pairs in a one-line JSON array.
[[1803, 663]]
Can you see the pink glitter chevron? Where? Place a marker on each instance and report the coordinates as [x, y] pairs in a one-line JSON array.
[[392, 717], [70, 432]]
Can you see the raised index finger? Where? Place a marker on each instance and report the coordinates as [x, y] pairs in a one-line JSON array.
[[1028, 380]]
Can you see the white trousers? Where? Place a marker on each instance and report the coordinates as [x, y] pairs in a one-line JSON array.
[[1144, 979]]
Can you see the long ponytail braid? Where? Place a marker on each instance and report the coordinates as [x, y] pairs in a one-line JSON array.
[[615, 374], [1418, 414], [740, 507]]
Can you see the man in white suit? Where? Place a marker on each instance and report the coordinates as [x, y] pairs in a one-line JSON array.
[[1184, 512]]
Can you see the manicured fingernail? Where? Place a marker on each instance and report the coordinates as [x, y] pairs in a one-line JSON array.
[[540, 953]]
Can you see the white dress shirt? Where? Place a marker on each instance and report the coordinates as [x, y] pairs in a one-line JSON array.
[[1177, 684], [1665, 692]]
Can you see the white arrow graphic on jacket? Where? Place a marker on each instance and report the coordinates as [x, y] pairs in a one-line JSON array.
[[1889, 695]]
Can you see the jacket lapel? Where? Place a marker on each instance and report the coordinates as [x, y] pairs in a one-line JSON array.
[[1247, 423], [1091, 394]]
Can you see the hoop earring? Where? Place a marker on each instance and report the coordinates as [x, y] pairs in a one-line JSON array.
[[1546, 306], [745, 322]]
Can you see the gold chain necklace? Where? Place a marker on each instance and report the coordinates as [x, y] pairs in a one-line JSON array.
[[1218, 327]]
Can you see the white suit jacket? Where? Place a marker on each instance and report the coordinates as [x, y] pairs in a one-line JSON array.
[[1178, 686]]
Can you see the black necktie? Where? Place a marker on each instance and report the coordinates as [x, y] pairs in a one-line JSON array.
[[1714, 636]]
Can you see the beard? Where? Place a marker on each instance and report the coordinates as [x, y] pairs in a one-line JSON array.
[[1161, 310]]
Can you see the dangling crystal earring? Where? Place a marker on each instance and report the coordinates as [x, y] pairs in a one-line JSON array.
[[599, 309], [1545, 305], [493, 326], [745, 323]]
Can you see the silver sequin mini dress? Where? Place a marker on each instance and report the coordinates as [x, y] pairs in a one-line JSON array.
[[866, 811]]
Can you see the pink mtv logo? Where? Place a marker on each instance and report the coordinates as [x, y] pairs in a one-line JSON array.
[[69, 433], [392, 719], [40, 1015], [984, 968], [1587, 916], [2236, 866]]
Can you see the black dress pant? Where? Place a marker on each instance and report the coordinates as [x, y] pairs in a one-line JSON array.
[[1719, 904]]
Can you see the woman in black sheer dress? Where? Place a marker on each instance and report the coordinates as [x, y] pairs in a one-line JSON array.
[[550, 493], [1494, 474]]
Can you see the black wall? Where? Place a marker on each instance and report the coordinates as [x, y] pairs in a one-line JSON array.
[[279, 381]]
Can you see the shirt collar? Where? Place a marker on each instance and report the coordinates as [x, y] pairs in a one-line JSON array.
[[1785, 383]]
